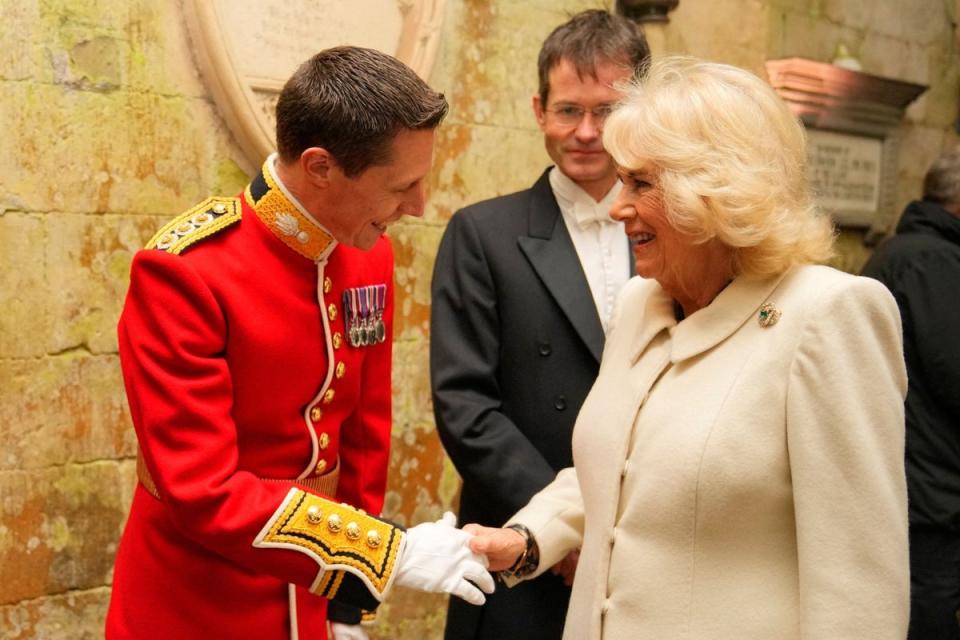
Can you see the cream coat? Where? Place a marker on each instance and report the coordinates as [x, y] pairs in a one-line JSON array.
[[739, 482]]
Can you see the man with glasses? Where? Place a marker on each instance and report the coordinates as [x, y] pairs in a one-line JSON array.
[[523, 290]]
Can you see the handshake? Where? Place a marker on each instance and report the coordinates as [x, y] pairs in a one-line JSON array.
[[440, 558]]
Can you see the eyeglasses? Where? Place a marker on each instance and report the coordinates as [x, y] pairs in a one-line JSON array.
[[571, 114]]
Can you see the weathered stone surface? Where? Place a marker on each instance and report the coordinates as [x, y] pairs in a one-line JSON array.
[[23, 294], [119, 152], [78, 615], [891, 57], [492, 74], [70, 408], [739, 40], [415, 246], [473, 163], [59, 527], [19, 57], [88, 265]]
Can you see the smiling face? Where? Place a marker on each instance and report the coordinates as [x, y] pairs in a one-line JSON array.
[[692, 272], [361, 208], [577, 149]]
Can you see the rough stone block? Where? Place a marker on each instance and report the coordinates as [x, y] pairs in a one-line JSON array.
[[852, 13], [24, 325], [739, 40], [473, 163], [78, 615], [59, 527], [415, 248], [891, 57], [88, 265], [20, 58], [117, 152], [491, 77], [61, 410], [813, 38]]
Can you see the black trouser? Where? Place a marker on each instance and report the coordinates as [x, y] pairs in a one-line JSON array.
[[934, 584]]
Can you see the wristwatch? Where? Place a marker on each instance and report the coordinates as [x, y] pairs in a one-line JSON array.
[[528, 561]]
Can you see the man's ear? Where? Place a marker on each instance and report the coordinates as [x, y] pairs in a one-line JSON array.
[[318, 165], [538, 111]]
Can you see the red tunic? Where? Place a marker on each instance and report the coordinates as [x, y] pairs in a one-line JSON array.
[[239, 371]]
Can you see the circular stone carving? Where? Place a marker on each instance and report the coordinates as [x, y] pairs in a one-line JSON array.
[[246, 50]]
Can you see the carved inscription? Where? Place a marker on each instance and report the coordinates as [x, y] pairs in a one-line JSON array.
[[246, 50], [272, 37], [844, 171]]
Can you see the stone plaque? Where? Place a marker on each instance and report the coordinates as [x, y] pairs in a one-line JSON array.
[[844, 173], [246, 50]]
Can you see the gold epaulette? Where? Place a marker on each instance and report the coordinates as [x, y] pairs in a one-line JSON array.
[[346, 542], [195, 224]]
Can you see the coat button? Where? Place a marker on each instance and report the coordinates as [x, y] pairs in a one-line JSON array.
[[316, 414], [544, 349], [341, 369], [324, 440], [327, 285], [321, 467], [337, 340], [560, 403], [328, 396], [332, 311]]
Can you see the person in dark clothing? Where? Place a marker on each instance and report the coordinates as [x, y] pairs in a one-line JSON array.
[[523, 289], [921, 267]]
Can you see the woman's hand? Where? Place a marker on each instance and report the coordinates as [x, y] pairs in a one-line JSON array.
[[502, 547]]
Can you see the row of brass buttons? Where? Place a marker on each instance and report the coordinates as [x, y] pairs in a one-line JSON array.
[[335, 525]]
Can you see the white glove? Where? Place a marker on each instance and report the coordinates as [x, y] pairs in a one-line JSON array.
[[343, 631], [437, 558]]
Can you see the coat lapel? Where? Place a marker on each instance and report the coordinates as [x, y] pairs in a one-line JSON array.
[[716, 322], [553, 257]]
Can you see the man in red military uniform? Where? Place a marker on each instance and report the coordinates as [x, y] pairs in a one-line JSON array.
[[255, 344]]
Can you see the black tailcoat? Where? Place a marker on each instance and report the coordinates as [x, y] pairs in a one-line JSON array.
[[514, 348]]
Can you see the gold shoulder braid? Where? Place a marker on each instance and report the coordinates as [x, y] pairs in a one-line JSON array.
[[348, 544], [197, 223]]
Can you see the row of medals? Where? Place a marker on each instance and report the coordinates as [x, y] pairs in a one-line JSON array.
[[364, 313]]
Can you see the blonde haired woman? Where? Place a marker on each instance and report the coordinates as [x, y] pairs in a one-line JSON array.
[[739, 462]]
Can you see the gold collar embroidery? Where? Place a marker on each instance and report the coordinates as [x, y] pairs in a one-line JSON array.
[[285, 218]]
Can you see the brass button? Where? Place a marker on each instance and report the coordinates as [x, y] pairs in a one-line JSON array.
[[321, 467], [316, 414], [337, 340], [341, 369], [219, 208], [327, 285], [324, 440], [373, 539], [332, 311], [334, 523], [328, 396], [353, 531], [314, 515]]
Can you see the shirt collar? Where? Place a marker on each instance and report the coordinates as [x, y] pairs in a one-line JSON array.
[[584, 209], [283, 214]]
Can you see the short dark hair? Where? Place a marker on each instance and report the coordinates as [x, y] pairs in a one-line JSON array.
[[588, 38], [942, 182], [352, 101]]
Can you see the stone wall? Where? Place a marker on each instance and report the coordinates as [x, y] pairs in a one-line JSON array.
[[109, 131]]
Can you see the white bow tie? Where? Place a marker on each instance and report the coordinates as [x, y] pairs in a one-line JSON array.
[[588, 215]]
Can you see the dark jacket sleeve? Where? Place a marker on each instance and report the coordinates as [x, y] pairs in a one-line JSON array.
[[491, 453], [926, 292]]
